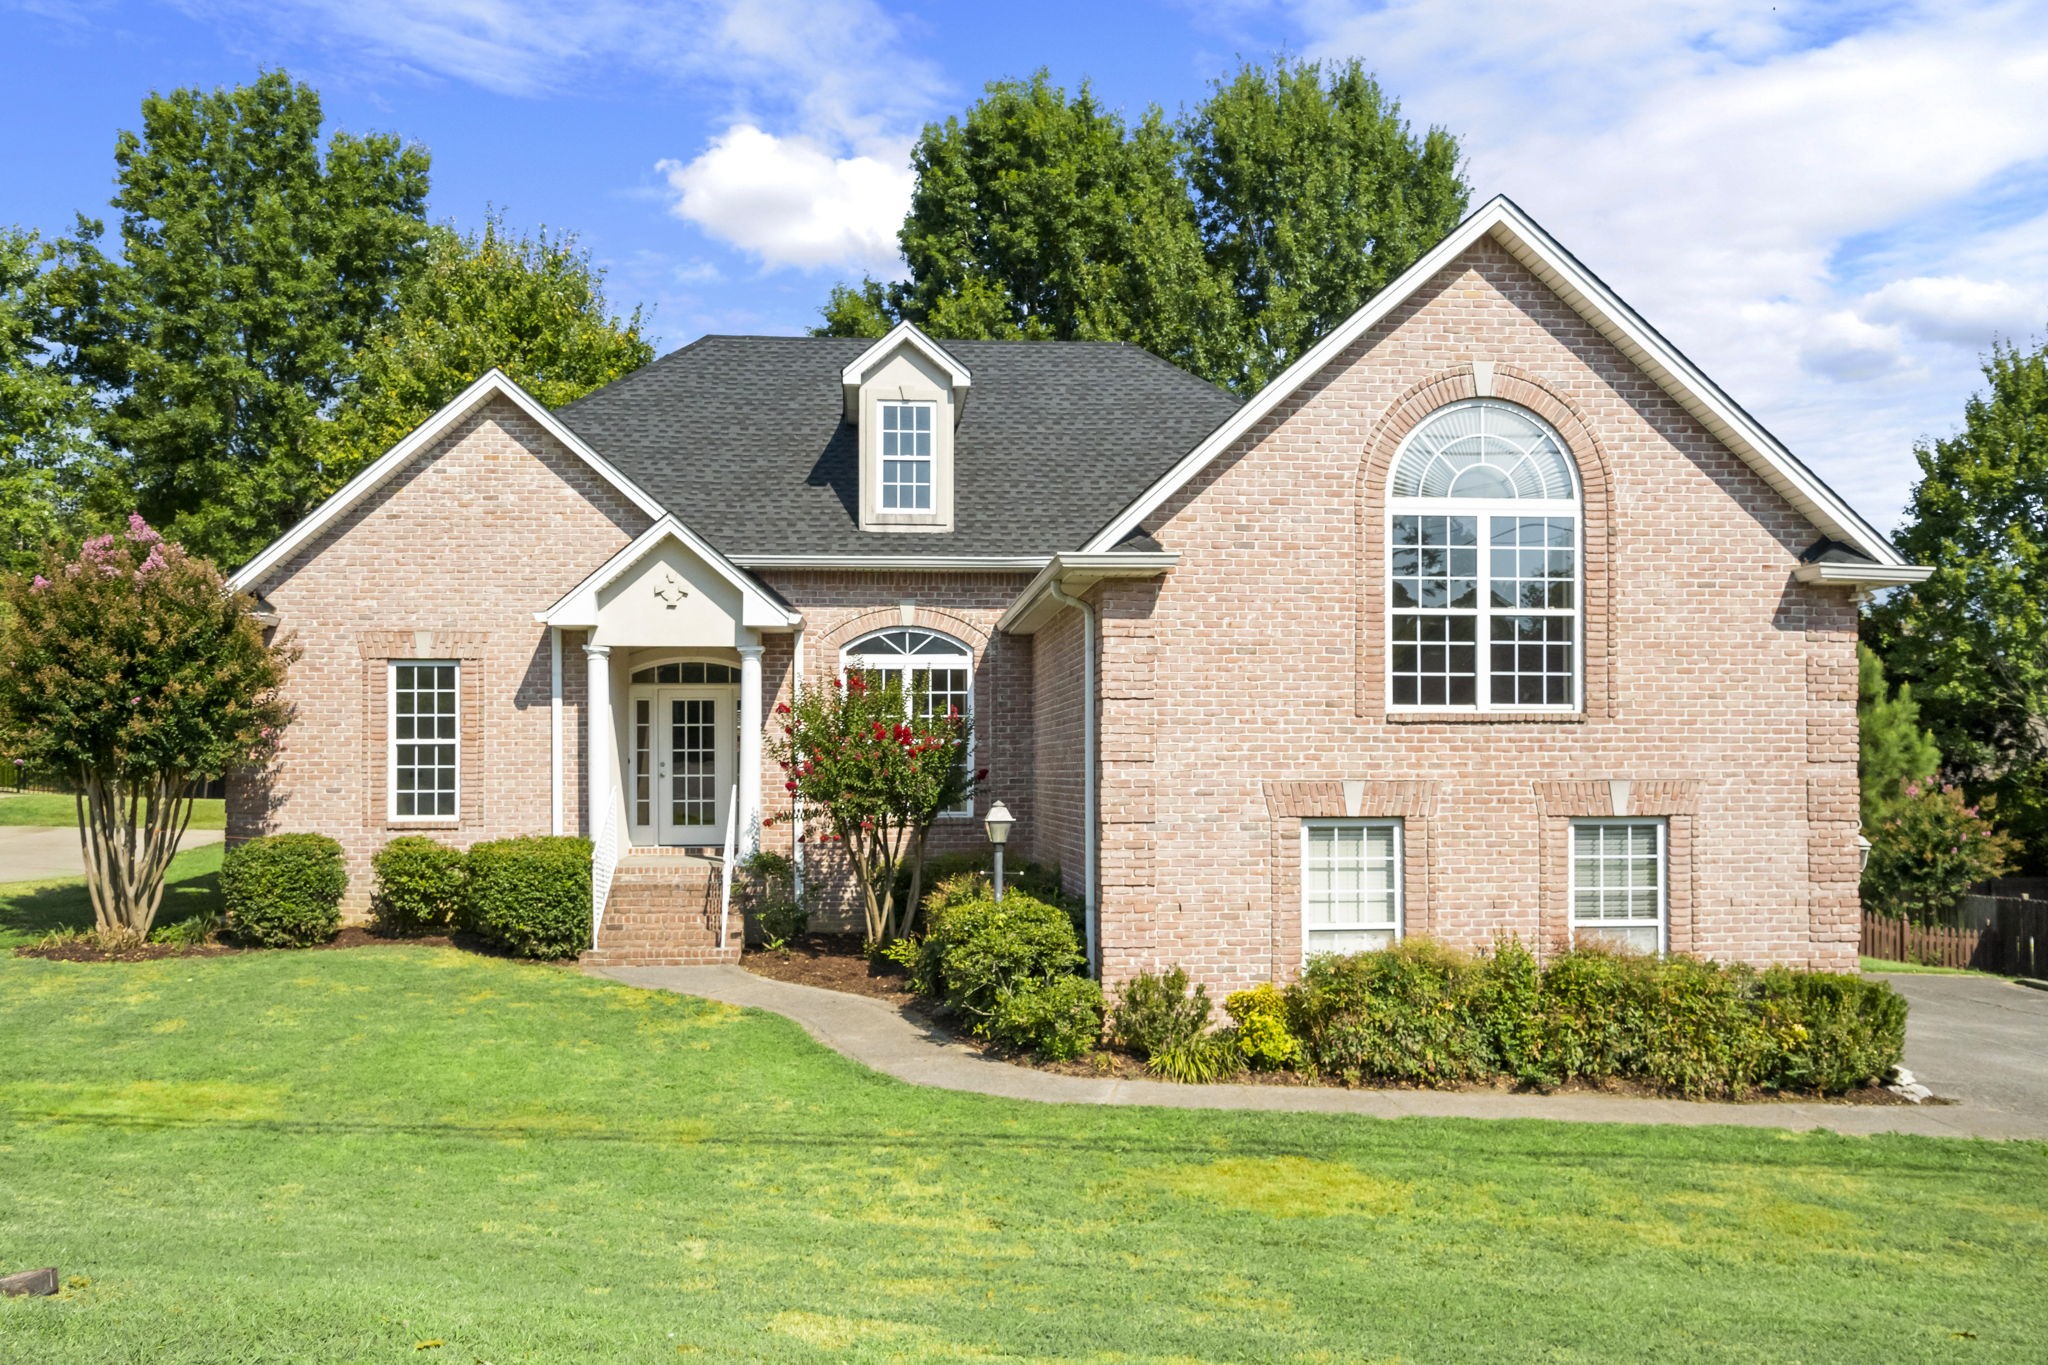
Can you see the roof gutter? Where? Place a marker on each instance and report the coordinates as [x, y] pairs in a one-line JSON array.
[[882, 563], [1863, 575], [1066, 575]]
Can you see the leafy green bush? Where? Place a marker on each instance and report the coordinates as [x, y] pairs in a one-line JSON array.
[[978, 952], [1928, 847], [768, 899], [1409, 1012], [1510, 991], [1262, 1033], [1202, 1059], [1827, 1032], [196, 932], [1589, 1016], [967, 875], [1057, 1018], [419, 886], [284, 890], [1156, 1012], [531, 895]]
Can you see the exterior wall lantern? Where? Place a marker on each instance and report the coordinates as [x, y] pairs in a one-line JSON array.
[[997, 822]]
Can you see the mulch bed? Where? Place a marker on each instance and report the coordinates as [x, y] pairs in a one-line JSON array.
[[837, 962], [351, 936]]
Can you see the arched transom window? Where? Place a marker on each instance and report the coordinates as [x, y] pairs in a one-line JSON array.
[[1483, 555], [936, 673]]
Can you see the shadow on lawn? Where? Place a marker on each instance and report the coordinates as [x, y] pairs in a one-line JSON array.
[[26, 916]]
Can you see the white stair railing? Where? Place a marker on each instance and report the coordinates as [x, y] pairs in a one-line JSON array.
[[604, 861], [732, 805]]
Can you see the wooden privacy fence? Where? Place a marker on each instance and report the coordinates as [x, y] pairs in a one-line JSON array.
[[2006, 934]]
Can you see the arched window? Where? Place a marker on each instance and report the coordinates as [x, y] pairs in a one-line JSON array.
[[936, 673], [1483, 555]]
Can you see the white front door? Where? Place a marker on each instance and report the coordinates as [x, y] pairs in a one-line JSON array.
[[693, 748]]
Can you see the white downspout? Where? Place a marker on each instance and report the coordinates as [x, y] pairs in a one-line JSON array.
[[796, 825], [555, 729], [1089, 814]]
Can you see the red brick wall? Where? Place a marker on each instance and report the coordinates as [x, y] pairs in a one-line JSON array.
[[1057, 771], [449, 559], [1242, 691]]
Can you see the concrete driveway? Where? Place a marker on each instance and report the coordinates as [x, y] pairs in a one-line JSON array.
[[38, 853], [1981, 1040]]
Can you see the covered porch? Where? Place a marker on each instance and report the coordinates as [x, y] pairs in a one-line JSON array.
[[672, 738]]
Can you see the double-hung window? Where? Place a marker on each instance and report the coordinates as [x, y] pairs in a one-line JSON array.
[[1350, 885], [906, 457], [935, 673], [1618, 883], [425, 744], [1483, 564]]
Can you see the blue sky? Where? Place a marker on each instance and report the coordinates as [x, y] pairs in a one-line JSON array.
[[1833, 208]]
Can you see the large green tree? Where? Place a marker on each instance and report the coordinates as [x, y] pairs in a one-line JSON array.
[[1973, 639], [1228, 240], [1892, 747], [43, 459], [533, 307], [251, 263]]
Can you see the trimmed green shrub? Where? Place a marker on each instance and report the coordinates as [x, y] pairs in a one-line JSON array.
[[1589, 1020], [768, 900], [1057, 1018], [978, 952], [419, 886], [1262, 1033], [1039, 880], [1827, 1032], [531, 896], [1156, 1012], [1510, 993], [1408, 1013], [284, 890], [1201, 1060]]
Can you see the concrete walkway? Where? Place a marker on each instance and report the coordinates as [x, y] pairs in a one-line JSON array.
[[879, 1035], [40, 853]]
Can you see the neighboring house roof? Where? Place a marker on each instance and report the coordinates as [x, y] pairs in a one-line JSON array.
[[1505, 222], [493, 385], [745, 440]]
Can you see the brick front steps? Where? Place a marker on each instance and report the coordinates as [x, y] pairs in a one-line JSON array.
[[663, 912]]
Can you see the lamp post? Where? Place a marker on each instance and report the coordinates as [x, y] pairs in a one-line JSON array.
[[997, 823]]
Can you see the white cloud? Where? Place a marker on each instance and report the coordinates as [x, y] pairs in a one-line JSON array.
[[790, 202], [1790, 192]]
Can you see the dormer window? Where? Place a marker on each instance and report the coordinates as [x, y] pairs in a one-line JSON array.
[[905, 394], [906, 457]]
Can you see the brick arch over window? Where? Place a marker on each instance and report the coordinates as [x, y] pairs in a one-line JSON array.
[[967, 632], [1383, 442]]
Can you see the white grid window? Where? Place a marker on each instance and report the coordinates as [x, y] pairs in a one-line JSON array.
[[1350, 885], [1618, 881], [1483, 564], [936, 674], [424, 739], [906, 457]]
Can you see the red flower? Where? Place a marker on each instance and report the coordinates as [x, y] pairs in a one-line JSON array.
[[789, 786], [782, 708]]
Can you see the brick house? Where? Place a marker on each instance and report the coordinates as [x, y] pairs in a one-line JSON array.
[[1491, 615]]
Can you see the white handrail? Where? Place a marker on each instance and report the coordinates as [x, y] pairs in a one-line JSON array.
[[604, 861], [725, 891]]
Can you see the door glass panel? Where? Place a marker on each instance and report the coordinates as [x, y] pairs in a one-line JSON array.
[[643, 761], [693, 761]]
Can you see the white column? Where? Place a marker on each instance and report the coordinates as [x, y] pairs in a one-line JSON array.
[[554, 729], [597, 709], [750, 750]]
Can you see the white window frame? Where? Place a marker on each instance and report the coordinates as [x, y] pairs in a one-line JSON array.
[[930, 459], [1484, 511], [1308, 829], [852, 658], [1663, 922], [392, 741]]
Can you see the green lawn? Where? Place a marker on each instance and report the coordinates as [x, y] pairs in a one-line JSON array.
[[28, 910], [49, 808], [1879, 964], [350, 1155]]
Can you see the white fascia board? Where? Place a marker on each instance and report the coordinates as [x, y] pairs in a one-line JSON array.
[[1075, 574], [902, 334], [1864, 575], [494, 384], [887, 563], [1501, 219], [577, 608]]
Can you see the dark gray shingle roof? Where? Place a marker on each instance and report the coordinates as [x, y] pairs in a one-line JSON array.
[[743, 439]]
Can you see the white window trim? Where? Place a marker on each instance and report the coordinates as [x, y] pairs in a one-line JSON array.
[[851, 657], [1400, 875], [391, 743], [1663, 827], [930, 462]]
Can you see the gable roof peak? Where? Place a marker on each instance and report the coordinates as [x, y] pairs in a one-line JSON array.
[[901, 335]]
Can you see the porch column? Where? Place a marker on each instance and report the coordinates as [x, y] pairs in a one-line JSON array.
[[597, 770], [750, 750]]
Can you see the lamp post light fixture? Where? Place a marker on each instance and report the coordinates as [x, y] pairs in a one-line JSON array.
[[997, 822]]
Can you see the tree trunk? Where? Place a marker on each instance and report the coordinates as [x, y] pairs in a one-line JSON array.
[[129, 832]]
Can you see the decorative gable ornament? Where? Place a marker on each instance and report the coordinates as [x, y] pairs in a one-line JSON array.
[[670, 591]]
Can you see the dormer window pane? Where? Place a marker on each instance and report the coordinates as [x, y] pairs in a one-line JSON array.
[[906, 457]]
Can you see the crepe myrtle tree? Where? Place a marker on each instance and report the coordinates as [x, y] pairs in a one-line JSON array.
[[868, 769], [129, 670]]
